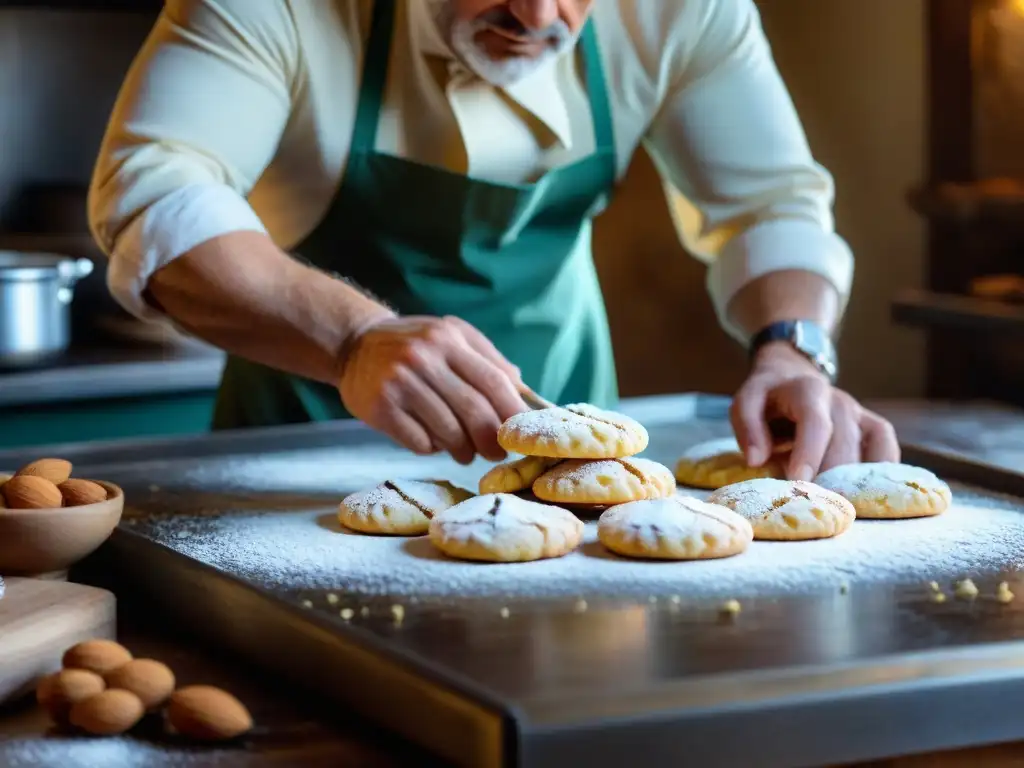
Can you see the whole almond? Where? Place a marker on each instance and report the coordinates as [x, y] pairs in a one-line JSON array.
[[54, 470], [152, 681], [78, 493], [107, 713], [31, 492], [99, 656], [57, 693], [208, 714]]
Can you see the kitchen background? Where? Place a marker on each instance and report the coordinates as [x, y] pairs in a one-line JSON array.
[[856, 69]]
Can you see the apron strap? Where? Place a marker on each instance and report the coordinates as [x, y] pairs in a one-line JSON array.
[[374, 79], [375, 73], [597, 90]]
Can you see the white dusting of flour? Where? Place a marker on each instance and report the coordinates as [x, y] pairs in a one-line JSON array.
[[308, 550]]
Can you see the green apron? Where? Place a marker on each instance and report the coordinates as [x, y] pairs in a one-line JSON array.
[[511, 259]]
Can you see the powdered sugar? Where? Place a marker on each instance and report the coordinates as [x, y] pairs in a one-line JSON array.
[[710, 449], [683, 527], [121, 751], [307, 550], [887, 489], [575, 431]]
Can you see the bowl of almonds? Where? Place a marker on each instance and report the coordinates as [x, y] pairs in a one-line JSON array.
[[49, 520]]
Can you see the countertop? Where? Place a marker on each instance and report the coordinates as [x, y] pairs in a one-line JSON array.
[[295, 729], [99, 370]]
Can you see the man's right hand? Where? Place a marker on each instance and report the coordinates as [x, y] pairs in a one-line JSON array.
[[432, 384]]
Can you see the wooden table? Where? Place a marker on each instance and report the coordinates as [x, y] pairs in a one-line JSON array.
[[296, 729]]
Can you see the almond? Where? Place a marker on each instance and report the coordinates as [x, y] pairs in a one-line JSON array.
[[31, 492], [54, 470], [107, 713], [78, 493], [207, 713], [152, 681], [57, 693], [99, 656]]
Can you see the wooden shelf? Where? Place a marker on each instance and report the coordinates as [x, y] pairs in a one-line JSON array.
[[989, 201], [947, 310]]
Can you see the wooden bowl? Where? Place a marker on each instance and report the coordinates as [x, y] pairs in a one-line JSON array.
[[35, 542]]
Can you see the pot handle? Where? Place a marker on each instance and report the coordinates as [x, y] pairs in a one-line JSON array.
[[70, 272]]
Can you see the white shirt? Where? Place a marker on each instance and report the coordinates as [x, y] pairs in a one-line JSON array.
[[238, 114]]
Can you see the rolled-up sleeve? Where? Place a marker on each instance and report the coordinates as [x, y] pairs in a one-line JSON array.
[[745, 192], [195, 125]]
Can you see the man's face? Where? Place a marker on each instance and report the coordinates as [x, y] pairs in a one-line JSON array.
[[506, 40]]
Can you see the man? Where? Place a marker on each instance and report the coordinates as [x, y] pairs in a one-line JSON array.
[[434, 166]]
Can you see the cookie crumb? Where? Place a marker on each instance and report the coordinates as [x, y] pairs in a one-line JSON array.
[[364, 611], [154, 489], [1003, 593], [938, 597], [347, 614], [581, 606], [398, 613], [307, 603], [730, 608], [965, 590], [503, 613], [332, 598], [934, 586], [676, 599]]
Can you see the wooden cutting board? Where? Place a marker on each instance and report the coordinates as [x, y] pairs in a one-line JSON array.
[[39, 620]]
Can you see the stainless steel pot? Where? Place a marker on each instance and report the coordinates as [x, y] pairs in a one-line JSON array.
[[35, 298]]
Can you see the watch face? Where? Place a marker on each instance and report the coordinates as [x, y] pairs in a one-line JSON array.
[[812, 340]]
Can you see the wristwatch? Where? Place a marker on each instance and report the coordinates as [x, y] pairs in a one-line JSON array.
[[806, 337]]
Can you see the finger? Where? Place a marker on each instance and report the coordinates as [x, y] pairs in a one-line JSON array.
[[844, 445], [489, 380], [474, 411], [406, 431], [485, 347], [810, 410], [443, 427], [749, 423], [879, 442]]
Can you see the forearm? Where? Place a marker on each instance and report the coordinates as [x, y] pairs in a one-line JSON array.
[[241, 293], [784, 295]]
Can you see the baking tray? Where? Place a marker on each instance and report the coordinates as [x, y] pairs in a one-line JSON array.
[[827, 677]]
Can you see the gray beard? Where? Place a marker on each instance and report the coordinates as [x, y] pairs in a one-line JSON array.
[[460, 37]]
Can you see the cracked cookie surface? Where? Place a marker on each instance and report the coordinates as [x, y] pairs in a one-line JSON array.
[[399, 507], [604, 481], [785, 510], [887, 490], [502, 528], [573, 432], [674, 528], [717, 463]]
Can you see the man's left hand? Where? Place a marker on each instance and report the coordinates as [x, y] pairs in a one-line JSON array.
[[832, 428]]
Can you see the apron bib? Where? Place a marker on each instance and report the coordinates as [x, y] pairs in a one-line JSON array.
[[513, 260]]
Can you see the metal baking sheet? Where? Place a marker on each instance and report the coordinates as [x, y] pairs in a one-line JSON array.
[[820, 678]]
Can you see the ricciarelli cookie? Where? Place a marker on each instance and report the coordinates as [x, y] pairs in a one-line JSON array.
[[604, 482], [502, 528], [888, 491], [675, 528], [399, 507], [718, 463], [514, 476], [573, 432], [786, 510]]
